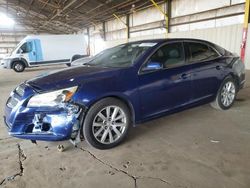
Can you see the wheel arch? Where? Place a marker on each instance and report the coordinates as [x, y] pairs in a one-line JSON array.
[[228, 74], [236, 78], [121, 98], [19, 60]]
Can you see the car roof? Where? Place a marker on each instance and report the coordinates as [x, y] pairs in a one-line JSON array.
[[163, 40], [170, 39]]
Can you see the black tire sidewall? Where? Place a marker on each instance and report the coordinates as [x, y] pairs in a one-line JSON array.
[[89, 118], [20, 63], [221, 105]]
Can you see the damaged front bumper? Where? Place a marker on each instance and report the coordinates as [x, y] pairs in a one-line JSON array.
[[47, 124]]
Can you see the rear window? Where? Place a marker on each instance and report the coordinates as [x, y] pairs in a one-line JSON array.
[[200, 52], [221, 50]]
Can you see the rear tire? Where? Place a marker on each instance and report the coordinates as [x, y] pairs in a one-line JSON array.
[[18, 66], [226, 94], [107, 123]]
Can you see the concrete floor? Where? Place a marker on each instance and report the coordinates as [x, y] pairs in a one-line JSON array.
[[200, 147]]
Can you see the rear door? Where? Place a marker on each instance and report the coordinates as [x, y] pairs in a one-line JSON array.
[[206, 69]]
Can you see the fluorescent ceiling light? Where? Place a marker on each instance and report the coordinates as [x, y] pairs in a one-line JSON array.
[[5, 20]]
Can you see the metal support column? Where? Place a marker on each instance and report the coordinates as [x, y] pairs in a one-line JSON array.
[[104, 31], [245, 28], [169, 8], [128, 27], [88, 48]]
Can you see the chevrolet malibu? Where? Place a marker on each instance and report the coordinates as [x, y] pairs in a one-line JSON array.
[[121, 87]]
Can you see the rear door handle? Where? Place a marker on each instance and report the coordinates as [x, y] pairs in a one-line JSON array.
[[185, 76]]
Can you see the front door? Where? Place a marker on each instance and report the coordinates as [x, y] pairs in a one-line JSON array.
[[35, 52], [168, 88]]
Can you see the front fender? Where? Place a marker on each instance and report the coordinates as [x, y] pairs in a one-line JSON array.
[[125, 90]]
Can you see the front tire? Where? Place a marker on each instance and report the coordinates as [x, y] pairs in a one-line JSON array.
[[18, 66], [106, 123], [226, 94]]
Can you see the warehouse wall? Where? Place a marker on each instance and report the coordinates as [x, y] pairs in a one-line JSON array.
[[181, 8], [10, 37], [228, 37]]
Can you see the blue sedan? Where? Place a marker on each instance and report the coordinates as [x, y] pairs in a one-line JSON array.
[[121, 87]]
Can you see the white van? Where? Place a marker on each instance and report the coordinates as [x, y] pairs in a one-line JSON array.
[[37, 50]]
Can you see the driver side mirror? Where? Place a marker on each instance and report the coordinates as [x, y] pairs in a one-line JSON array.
[[151, 66], [20, 51]]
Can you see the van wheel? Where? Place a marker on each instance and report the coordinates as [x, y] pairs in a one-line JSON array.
[[106, 124], [18, 66]]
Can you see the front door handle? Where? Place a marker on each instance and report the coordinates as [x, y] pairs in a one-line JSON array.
[[185, 76]]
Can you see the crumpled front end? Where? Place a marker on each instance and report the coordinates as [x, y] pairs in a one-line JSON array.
[[40, 123]]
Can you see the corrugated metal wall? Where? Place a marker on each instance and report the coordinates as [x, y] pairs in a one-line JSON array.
[[182, 7], [228, 37]]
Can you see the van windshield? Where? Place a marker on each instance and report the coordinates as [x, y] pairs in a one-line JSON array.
[[120, 56]]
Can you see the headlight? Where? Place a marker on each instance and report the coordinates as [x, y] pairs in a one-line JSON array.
[[52, 98]]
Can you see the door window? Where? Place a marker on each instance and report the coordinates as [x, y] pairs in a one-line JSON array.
[[169, 55], [25, 48], [200, 52]]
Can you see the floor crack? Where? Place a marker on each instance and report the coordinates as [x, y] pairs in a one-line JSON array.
[[7, 138], [21, 157], [135, 178]]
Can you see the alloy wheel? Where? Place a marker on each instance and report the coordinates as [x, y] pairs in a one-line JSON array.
[[109, 124], [228, 94], [18, 67]]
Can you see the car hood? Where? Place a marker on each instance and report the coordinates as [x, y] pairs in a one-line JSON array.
[[70, 77]]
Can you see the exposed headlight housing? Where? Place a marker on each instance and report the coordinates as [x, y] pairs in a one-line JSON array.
[[53, 98]]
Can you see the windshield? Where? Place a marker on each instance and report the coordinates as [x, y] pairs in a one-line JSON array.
[[120, 56]]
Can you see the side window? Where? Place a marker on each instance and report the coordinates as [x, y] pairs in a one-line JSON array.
[[200, 52], [26, 47], [170, 55]]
